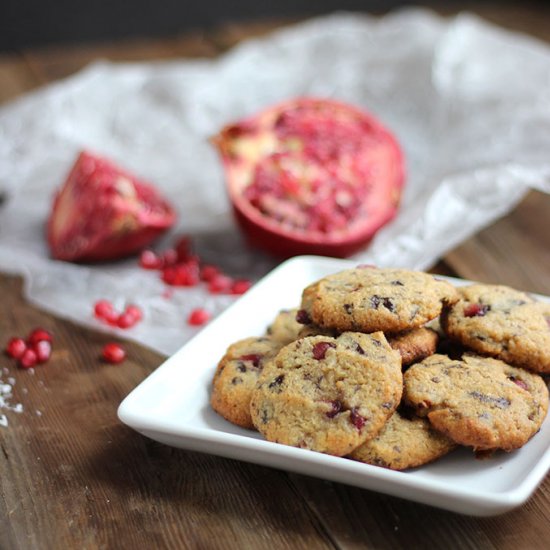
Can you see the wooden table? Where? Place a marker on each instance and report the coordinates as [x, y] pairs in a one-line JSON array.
[[72, 476]]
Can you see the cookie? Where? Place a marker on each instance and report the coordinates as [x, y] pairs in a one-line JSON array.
[[477, 401], [503, 323], [371, 299], [285, 328], [236, 377], [404, 443], [328, 394], [413, 345]]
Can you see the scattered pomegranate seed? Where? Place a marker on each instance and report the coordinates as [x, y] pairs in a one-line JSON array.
[[39, 335], [220, 284], [28, 359], [43, 350], [170, 257], [198, 317], [134, 311], [113, 353], [126, 320], [150, 260], [103, 309], [209, 272], [240, 286], [183, 248], [16, 348]]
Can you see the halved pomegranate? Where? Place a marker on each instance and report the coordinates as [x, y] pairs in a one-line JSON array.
[[311, 176], [103, 213]]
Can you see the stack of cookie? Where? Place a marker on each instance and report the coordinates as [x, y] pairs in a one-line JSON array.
[[354, 371]]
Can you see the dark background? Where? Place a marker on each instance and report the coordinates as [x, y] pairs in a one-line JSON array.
[[29, 23]]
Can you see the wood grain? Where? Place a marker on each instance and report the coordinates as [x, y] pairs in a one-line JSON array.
[[72, 476]]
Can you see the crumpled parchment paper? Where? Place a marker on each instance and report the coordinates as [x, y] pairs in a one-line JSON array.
[[469, 102]]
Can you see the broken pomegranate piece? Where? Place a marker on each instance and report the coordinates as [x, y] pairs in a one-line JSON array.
[[104, 213], [311, 176]]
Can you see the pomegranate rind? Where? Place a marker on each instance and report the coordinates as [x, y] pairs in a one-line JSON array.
[[103, 212], [384, 160]]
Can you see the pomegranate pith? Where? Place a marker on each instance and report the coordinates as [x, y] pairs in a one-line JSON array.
[[311, 176], [103, 213]]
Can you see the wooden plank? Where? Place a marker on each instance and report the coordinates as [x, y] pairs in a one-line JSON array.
[[514, 251], [73, 476], [231, 33], [357, 518], [57, 62], [15, 77]]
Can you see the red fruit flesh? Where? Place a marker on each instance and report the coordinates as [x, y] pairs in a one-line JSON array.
[[103, 213], [311, 176]]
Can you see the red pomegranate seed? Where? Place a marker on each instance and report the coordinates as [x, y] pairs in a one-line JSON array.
[[476, 310], [320, 349], [356, 419], [187, 274], [170, 257], [126, 320], [43, 350], [39, 335], [302, 317], [169, 275], [183, 248], [254, 357], [103, 309], [220, 284], [28, 359], [134, 311], [150, 260], [209, 272], [198, 317], [16, 348], [113, 353], [240, 286]]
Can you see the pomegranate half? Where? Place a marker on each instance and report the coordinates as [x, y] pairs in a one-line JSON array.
[[103, 213], [311, 176]]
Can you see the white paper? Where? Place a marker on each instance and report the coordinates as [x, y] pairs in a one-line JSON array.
[[470, 104]]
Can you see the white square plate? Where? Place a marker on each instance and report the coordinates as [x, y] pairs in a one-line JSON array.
[[172, 406]]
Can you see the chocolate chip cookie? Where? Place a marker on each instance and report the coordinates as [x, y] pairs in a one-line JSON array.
[[404, 443], [328, 394], [236, 377], [501, 322], [371, 299], [477, 401]]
